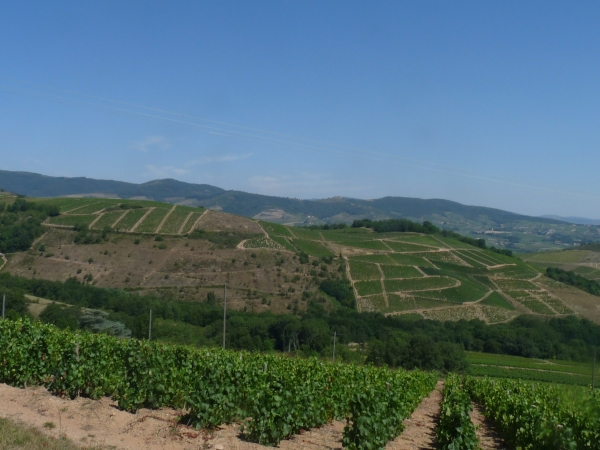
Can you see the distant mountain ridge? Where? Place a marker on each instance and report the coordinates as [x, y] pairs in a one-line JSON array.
[[250, 205], [500, 228], [573, 219], [36, 185]]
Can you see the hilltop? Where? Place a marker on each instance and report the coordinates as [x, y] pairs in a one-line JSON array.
[[184, 253], [500, 228]]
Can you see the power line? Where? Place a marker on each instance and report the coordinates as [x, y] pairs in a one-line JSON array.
[[282, 140]]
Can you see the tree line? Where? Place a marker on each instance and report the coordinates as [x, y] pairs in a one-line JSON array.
[[405, 225], [569, 277], [21, 223], [403, 341]]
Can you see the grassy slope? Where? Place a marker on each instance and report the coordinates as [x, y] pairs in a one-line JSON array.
[[505, 366], [497, 287], [14, 435], [583, 262]]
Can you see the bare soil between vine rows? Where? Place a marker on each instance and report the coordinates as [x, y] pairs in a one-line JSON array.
[[99, 423]]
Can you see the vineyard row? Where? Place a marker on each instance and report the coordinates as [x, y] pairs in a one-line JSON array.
[[274, 396]]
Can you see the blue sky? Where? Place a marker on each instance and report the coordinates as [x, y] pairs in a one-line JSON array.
[[486, 103]]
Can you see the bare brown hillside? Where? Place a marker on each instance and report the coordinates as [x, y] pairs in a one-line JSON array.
[[176, 267]]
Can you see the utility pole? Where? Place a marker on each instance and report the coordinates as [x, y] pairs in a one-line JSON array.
[[594, 369], [224, 312], [150, 327], [334, 336]]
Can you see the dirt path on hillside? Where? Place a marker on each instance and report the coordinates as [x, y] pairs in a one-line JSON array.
[[164, 219], [139, 222], [419, 431], [489, 439], [99, 422], [182, 227], [382, 281], [198, 221]]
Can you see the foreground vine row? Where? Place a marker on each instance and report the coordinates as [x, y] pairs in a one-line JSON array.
[[541, 416], [456, 430], [279, 395]]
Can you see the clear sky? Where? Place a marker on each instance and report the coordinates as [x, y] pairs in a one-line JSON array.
[[484, 102]]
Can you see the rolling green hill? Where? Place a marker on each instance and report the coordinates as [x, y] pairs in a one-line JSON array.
[[584, 261], [500, 228]]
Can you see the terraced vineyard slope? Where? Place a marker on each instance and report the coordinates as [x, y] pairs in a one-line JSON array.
[[437, 277], [186, 251]]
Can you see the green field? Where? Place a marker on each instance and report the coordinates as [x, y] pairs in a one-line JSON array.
[[419, 284], [175, 220], [518, 272], [405, 246], [305, 233], [191, 222], [368, 287], [550, 371], [391, 271], [565, 256], [312, 248], [377, 302], [470, 259], [380, 259], [72, 220], [364, 271], [398, 303], [424, 302], [367, 244], [275, 229], [496, 299], [347, 234], [131, 219], [107, 219], [152, 220], [516, 285], [408, 260], [468, 291], [95, 207], [283, 242], [420, 239], [75, 205]]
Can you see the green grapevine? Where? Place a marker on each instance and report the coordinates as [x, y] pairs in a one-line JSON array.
[[276, 396], [456, 430], [538, 417]]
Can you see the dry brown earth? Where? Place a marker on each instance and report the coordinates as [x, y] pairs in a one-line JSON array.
[[587, 305], [218, 221], [183, 272], [99, 422], [486, 432]]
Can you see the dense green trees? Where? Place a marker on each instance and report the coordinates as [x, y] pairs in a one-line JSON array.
[[404, 225], [396, 225], [340, 290], [328, 226], [21, 222], [222, 239], [395, 341], [569, 277], [418, 351]]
